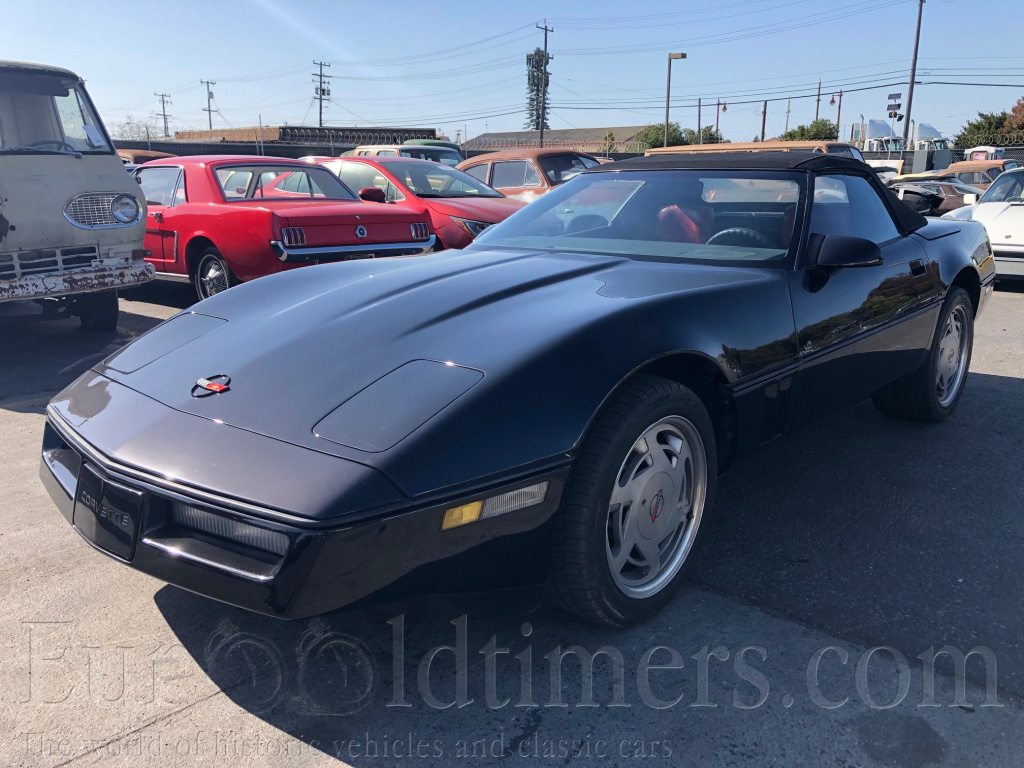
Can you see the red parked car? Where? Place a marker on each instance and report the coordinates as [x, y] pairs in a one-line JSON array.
[[459, 206], [218, 220]]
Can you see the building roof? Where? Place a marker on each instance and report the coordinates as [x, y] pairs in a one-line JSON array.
[[520, 154], [566, 138]]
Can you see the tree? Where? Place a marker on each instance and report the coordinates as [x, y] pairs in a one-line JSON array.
[[608, 143], [987, 129], [1015, 120], [821, 129], [136, 130], [654, 136], [536, 79]]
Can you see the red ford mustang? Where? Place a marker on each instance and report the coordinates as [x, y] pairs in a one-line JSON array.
[[218, 220], [459, 206]]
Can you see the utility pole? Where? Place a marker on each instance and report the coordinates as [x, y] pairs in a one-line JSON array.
[[789, 103], [817, 103], [668, 88], [718, 104], [164, 101], [913, 74], [700, 139], [209, 98], [764, 117], [322, 92], [544, 74]]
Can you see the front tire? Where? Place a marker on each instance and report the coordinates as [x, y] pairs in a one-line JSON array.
[[932, 392], [636, 504], [212, 275], [98, 311]]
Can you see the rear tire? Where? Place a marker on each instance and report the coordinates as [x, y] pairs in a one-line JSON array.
[[933, 391], [98, 311], [212, 275], [636, 504]]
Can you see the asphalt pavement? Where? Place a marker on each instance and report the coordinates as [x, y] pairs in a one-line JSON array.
[[838, 564]]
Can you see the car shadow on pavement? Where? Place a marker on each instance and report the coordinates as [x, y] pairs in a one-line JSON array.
[[874, 531], [886, 532], [40, 355]]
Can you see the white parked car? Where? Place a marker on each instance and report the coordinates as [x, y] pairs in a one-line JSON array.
[[1001, 210]]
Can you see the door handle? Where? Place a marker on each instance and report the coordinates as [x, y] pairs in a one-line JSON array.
[[157, 216], [917, 268]]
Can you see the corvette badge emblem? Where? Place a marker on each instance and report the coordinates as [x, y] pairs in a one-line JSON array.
[[212, 385], [656, 505], [360, 231]]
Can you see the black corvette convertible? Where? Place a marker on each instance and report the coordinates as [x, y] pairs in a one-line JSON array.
[[551, 406]]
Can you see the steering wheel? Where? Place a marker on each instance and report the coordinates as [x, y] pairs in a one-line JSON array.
[[58, 143], [741, 236]]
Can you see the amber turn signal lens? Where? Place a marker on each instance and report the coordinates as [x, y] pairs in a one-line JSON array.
[[456, 516]]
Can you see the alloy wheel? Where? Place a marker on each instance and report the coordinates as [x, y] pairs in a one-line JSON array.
[[655, 507]]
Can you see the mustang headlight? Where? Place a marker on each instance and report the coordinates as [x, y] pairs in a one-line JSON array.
[[124, 208], [472, 228]]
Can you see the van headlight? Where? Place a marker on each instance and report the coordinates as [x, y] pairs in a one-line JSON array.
[[124, 208]]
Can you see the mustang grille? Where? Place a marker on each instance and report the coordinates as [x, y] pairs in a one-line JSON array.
[[293, 237], [45, 261], [92, 210], [420, 231]]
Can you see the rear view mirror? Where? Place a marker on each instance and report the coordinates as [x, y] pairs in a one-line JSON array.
[[372, 195], [970, 198], [838, 251]]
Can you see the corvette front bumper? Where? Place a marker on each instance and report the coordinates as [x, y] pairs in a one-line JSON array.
[[394, 550]]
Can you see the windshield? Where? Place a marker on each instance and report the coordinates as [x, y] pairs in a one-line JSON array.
[[48, 114], [437, 180], [280, 182], [561, 168], [706, 216], [437, 154], [1008, 188]]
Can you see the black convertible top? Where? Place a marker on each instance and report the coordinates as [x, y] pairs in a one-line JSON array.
[[907, 219]]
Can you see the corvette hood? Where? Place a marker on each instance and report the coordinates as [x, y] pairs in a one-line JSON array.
[[298, 345], [1004, 222]]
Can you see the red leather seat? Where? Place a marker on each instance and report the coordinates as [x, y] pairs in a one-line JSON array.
[[678, 225]]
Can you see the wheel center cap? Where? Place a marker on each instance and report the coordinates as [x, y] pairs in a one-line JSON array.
[[656, 504]]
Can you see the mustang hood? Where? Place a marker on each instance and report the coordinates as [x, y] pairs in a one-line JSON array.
[[298, 345], [490, 209]]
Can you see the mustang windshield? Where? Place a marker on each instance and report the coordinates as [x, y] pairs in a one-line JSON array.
[[437, 180], [280, 182], [708, 216], [48, 114]]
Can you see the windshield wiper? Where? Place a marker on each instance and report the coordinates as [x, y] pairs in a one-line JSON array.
[[39, 150]]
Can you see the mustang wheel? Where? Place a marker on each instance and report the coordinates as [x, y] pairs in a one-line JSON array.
[[212, 274], [637, 501], [932, 391]]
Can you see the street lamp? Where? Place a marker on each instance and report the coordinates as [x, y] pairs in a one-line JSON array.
[[668, 88]]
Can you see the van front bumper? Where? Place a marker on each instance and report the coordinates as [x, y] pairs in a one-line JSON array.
[[83, 280]]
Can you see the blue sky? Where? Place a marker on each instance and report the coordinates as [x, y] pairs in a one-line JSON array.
[[460, 66]]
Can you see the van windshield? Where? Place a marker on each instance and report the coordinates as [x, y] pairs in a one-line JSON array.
[[48, 114]]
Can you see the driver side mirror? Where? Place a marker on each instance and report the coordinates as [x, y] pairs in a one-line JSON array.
[[839, 251], [970, 198], [372, 195]]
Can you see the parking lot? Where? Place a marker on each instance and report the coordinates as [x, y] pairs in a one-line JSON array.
[[860, 532]]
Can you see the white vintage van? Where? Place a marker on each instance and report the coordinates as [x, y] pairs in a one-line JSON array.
[[71, 219]]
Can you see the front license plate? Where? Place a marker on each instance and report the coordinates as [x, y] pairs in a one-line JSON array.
[[107, 513]]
